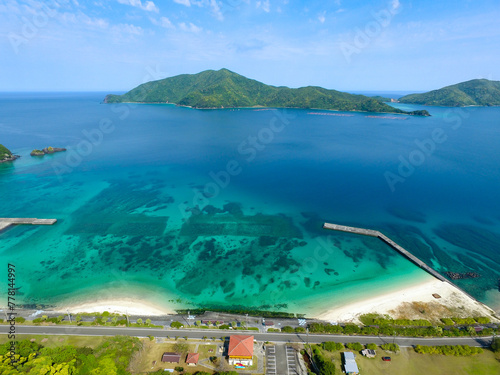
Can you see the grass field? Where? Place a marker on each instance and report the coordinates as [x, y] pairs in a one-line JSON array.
[[52, 341], [408, 362]]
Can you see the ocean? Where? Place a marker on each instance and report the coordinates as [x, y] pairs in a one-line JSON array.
[[224, 208]]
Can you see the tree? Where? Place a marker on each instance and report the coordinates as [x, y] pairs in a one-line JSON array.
[[181, 347], [176, 325], [139, 321], [148, 321], [371, 346], [495, 345], [287, 329]]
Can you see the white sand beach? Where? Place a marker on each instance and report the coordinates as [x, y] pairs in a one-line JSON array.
[[120, 306], [415, 302]]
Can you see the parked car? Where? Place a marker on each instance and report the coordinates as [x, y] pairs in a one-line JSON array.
[[387, 359]]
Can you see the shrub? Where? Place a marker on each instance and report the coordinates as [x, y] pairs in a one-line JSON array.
[[325, 328], [300, 329], [332, 346], [176, 325], [371, 346], [354, 346], [179, 368], [351, 329], [224, 326], [20, 319], [287, 329], [457, 350], [448, 321], [482, 320], [390, 347]]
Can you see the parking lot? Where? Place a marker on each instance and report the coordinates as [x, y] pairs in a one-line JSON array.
[[281, 360]]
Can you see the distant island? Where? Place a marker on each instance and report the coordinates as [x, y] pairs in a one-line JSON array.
[[6, 155], [212, 89], [477, 92], [46, 150]]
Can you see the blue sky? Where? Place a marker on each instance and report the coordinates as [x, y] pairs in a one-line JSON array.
[[349, 45]]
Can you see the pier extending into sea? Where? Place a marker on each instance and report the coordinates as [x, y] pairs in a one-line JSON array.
[[395, 246], [6, 222]]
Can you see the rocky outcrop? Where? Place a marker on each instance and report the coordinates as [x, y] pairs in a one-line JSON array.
[[46, 150], [465, 275], [9, 158]]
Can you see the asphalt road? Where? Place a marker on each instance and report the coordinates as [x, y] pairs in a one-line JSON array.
[[273, 337]]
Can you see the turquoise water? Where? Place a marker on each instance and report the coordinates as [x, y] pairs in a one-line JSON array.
[[224, 208]]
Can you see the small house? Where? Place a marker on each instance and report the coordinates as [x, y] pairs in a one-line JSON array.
[[171, 357], [192, 359], [369, 353], [350, 365]]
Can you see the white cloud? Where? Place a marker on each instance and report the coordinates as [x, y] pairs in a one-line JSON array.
[[265, 5], [321, 17], [148, 6], [190, 27], [216, 10], [183, 2], [163, 22], [128, 29], [395, 4]]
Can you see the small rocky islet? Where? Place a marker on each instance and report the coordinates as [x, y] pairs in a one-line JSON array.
[[46, 150]]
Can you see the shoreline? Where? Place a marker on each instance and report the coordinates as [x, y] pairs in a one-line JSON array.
[[270, 108], [398, 303], [130, 306]]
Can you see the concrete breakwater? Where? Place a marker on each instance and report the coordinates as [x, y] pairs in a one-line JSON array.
[[395, 246], [7, 222]]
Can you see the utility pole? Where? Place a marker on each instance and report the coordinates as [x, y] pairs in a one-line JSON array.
[[69, 316], [126, 314]]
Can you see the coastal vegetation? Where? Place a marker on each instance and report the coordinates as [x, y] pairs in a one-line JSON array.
[[226, 89], [477, 92], [456, 350], [396, 330], [6, 154], [111, 356]]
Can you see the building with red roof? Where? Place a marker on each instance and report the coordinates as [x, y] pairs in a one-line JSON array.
[[192, 359], [240, 350]]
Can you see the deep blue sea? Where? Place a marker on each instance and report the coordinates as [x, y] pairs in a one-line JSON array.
[[224, 208]]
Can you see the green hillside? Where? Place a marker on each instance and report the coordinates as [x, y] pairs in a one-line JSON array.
[[480, 92], [4, 153], [226, 89]]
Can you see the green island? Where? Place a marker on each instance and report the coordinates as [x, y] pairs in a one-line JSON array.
[[6, 154], [476, 92], [225, 89]]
